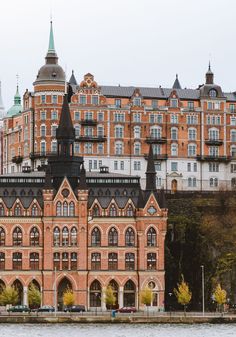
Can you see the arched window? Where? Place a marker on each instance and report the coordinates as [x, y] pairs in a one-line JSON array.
[[34, 237], [174, 149], [213, 134], [17, 210], [112, 210], [56, 236], [96, 211], [151, 237], [95, 294], [213, 182], [2, 262], [129, 237], [129, 294], [213, 93], [73, 236], [65, 208], [34, 261], [129, 261], [34, 210], [112, 261], [2, 237], [137, 149], [192, 134], [65, 236], [71, 209], [113, 237], [119, 148], [174, 134], [192, 150], [17, 261], [65, 261], [17, 237], [130, 211], [59, 213], [96, 237], [95, 261], [137, 132], [73, 261], [2, 210], [119, 131], [151, 261], [56, 261], [155, 132]]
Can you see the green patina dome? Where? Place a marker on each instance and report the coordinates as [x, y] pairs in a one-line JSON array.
[[17, 107]]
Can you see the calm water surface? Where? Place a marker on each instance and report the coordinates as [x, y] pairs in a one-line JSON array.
[[117, 330]]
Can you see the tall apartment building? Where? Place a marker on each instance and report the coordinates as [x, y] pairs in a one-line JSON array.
[[192, 131]]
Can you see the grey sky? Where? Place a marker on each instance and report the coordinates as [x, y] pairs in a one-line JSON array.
[[127, 42]]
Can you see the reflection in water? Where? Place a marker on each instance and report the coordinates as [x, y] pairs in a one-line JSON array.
[[117, 330]]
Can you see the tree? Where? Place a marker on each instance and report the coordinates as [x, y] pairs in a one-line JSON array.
[[219, 296], [9, 295], [183, 294], [68, 297], [34, 296], [110, 297], [146, 296]]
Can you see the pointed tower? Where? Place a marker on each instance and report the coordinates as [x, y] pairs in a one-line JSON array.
[[51, 71], [176, 84], [17, 107], [150, 172], [209, 75], [72, 80], [2, 109]]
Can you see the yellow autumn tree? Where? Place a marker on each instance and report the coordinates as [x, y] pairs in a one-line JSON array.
[[110, 297], [9, 295], [146, 296], [183, 293], [220, 296], [68, 297]]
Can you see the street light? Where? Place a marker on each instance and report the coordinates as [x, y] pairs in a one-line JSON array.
[[170, 294], [203, 291]]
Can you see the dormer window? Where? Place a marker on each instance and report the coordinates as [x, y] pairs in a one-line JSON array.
[[95, 100], [174, 103], [82, 99], [137, 101], [213, 93]]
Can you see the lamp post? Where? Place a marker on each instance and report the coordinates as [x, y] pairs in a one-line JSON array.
[[170, 294], [96, 308], [55, 293], [203, 290]]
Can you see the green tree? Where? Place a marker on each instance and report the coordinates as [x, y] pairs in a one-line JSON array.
[[110, 297], [68, 297], [9, 295], [34, 296], [183, 293], [219, 296]]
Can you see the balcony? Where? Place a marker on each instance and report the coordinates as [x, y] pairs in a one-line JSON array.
[[17, 159], [216, 142], [91, 139], [156, 140], [89, 122], [214, 158], [158, 156]]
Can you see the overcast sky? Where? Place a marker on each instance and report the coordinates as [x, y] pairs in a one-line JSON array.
[[126, 42]]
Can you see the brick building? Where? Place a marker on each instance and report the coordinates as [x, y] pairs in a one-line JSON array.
[[85, 230], [192, 131]]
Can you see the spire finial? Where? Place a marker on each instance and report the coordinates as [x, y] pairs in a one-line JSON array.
[[209, 67], [51, 46], [17, 82]]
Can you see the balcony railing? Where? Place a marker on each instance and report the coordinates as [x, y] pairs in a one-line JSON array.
[[91, 138], [216, 142], [156, 140], [214, 158], [17, 159], [36, 155], [91, 122], [158, 156]]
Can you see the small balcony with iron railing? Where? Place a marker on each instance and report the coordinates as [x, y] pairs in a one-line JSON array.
[[91, 138], [17, 159], [89, 122], [214, 141], [158, 156], [156, 140], [214, 158]]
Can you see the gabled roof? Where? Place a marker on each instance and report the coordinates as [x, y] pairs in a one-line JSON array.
[[176, 84]]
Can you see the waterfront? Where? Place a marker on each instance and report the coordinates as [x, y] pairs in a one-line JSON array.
[[117, 330]]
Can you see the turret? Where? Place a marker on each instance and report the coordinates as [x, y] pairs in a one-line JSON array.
[[209, 75]]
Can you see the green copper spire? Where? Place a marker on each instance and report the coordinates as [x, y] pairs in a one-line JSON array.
[[17, 107], [51, 46]]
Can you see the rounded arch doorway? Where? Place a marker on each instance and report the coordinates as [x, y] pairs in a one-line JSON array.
[[63, 285]]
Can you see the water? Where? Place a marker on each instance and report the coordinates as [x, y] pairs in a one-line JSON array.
[[117, 330]]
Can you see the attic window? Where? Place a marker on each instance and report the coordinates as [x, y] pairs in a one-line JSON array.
[[137, 101], [174, 103], [213, 93]]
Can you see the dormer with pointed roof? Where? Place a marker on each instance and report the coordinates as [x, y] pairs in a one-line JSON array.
[[72, 80], [176, 84]]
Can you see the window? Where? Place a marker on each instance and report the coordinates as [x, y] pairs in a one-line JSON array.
[[174, 119], [77, 148], [65, 208], [158, 166], [96, 237], [137, 165], [192, 134], [214, 151], [192, 150], [88, 131], [17, 210], [113, 237], [17, 261], [34, 237], [137, 118], [95, 294], [71, 209], [173, 103], [174, 166], [137, 101], [17, 237], [191, 106], [53, 130], [119, 131], [2, 262], [65, 261], [115, 165], [159, 181], [213, 167], [119, 148], [233, 135], [156, 148], [73, 236], [233, 151], [129, 261], [119, 117], [96, 211], [122, 165], [95, 100], [100, 116], [2, 237], [232, 108], [100, 148], [34, 261], [54, 115], [73, 261], [82, 99], [56, 236], [233, 120], [213, 93], [129, 211], [112, 261], [59, 210], [100, 131], [189, 167], [88, 148], [174, 133], [118, 103], [56, 261], [77, 115], [155, 132], [129, 237], [2, 210], [54, 146], [192, 119], [195, 167], [213, 182], [151, 237], [174, 149], [43, 99], [65, 236], [137, 132], [151, 261], [192, 182], [137, 149], [77, 130], [43, 115], [43, 147], [210, 105], [95, 261], [213, 134]]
